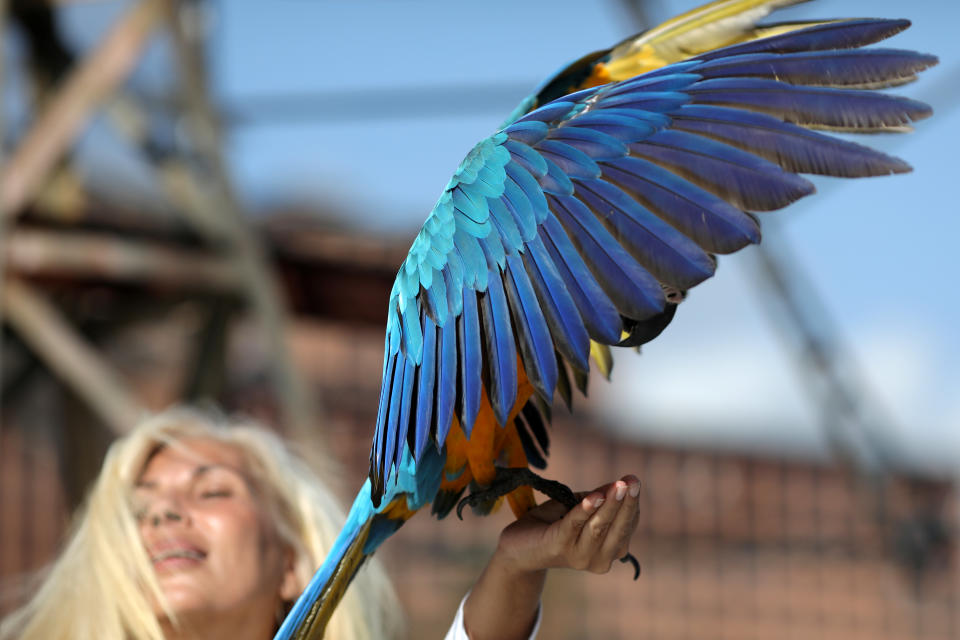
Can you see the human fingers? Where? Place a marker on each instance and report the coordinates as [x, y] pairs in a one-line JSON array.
[[571, 525], [594, 533], [617, 541]]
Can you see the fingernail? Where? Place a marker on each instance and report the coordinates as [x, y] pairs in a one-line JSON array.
[[598, 502], [621, 491], [635, 490]]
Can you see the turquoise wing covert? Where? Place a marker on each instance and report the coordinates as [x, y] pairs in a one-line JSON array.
[[583, 219]]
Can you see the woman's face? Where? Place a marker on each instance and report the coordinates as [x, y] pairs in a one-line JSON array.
[[212, 546]]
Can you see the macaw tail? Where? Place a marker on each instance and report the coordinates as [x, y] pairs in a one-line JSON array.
[[364, 531], [414, 485]]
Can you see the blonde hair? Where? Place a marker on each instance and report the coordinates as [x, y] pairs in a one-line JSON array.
[[102, 584]]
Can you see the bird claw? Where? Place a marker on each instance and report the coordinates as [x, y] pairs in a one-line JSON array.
[[508, 479], [632, 560]]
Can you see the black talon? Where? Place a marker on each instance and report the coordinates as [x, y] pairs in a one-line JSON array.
[[467, 499], [636, 564]]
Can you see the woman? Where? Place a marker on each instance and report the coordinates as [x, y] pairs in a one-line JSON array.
[[196, 528]]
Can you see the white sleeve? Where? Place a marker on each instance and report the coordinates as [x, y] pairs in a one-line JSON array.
[[458, 632]]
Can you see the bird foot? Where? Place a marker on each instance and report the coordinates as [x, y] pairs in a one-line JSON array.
[[509, 479]]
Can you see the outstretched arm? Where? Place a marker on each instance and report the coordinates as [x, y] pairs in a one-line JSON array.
[[503, 604]]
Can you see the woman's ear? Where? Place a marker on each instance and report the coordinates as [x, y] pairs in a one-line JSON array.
[[289, 587]]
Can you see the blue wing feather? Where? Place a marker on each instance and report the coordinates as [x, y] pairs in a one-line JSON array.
[[632, 289], [521, 209], [813, 106], [713, 223], [406, 407], [551, 111], [672, 258], [851, 69], [493, 251], [736, 176], [378, 455], [531, 189], [453, 280], [556, 182], [446, 382], [792, 147], [393, 416], [533, 335], [470, 368], [527, 131], [595, 144], [499, 348], [526, 157], [560, 311], [426, 380], [506, 224], [623, 128], [638, 100], [845, 34], [573, 162], [600, 316]]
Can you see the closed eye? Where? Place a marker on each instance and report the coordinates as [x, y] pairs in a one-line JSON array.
[[216, 493]]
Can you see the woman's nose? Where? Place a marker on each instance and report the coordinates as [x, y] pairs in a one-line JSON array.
[[164, 510]]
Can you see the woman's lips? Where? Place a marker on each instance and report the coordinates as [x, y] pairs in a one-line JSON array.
[[168, 557]]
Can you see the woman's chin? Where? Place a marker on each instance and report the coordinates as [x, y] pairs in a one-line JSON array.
[[184, 593]]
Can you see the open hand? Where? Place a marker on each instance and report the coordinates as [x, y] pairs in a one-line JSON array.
[[588, 537]]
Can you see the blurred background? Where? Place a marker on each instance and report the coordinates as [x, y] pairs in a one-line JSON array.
[[207, 201]]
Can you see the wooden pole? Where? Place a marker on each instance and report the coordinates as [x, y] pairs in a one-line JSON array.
[[299, 410]]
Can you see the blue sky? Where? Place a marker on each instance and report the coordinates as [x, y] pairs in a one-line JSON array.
[[878, 253]]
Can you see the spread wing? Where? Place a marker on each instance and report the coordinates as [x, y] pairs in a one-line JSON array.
[[578, 221]]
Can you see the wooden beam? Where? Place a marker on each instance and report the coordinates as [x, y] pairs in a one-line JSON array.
[[77, 254], [69, 356], [105, 68]]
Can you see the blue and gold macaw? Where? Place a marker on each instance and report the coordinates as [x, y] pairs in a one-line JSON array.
[[580, 225]]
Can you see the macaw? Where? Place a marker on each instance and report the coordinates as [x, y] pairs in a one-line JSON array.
[[580, 225]]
